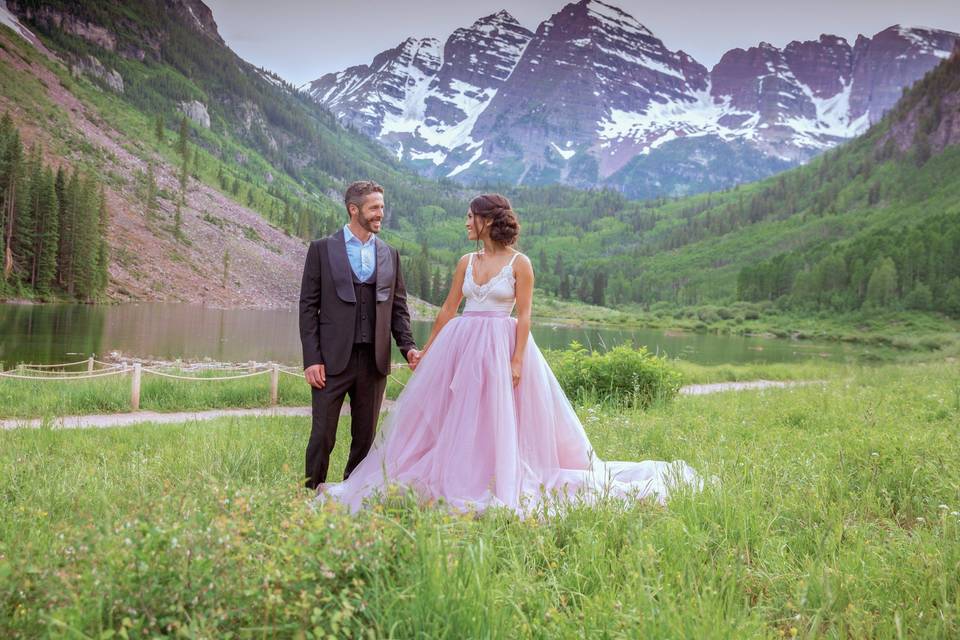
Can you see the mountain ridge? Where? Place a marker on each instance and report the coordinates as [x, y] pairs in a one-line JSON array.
[[593, 89]]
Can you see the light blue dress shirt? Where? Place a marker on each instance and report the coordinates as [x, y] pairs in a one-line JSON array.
[[362, 255]]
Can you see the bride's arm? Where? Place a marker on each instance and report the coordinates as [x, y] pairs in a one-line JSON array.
[[449, 308], [523, 271]]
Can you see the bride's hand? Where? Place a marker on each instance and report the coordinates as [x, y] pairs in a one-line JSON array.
[[515, 371]]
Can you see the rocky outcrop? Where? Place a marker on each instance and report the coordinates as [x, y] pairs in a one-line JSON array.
[[197, 16], [197, 112], [928, 119], [66, 22], [92, 67], [255, 124]]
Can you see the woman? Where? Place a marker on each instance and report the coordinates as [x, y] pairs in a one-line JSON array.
[[483, 421]]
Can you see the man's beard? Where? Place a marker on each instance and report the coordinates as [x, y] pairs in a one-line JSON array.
[[367, 224]]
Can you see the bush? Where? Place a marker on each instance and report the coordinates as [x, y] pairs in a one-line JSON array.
[[624, 374], [708, 315]]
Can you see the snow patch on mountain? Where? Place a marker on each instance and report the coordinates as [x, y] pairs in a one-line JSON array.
[[662, 121], [566, 154], [833, 120], [10, 20], [466, 165]]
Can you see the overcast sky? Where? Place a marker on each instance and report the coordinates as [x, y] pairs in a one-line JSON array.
[[302, 39]]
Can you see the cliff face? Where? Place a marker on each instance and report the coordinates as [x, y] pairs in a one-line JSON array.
[[928, 118]]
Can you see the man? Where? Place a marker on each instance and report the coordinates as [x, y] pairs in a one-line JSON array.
[[352, 298]]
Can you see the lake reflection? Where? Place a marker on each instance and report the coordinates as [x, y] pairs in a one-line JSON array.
[[61, 333]]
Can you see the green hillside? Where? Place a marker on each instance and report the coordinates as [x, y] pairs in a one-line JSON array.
[[873, 223]]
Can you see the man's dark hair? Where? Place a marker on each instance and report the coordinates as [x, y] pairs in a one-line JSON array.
[[358, 190]]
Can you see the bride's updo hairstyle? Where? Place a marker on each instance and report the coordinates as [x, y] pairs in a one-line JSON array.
[[504, 226]]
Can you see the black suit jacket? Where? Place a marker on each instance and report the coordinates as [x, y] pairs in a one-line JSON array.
[[328, 306]]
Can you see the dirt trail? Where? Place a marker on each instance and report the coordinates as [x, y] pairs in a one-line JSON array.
[[126, 419]]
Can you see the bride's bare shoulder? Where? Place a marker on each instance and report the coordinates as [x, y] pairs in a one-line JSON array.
[[521, 263], [462, 262]]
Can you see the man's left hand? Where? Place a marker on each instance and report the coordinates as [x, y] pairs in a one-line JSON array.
[[413, 358]]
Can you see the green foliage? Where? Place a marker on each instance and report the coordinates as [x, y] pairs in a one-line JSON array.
[[623, 375], [829, 518], [53, 242]]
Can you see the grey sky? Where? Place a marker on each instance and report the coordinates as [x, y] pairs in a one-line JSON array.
[[301, 39]]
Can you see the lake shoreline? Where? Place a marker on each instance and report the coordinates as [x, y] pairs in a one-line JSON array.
[[834, 329]]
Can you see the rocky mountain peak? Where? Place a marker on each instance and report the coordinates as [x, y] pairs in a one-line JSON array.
[[502, 17], [198, 16], [609, 16]]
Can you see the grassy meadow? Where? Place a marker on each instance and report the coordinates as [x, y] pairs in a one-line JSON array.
[[837, 514]]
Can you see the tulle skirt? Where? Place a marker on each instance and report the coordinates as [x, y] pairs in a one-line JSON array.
[[461, 434]]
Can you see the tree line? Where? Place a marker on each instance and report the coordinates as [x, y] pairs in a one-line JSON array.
[[54, 226], [914, 268]]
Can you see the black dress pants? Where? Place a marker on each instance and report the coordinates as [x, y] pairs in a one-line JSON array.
[[365, 385]]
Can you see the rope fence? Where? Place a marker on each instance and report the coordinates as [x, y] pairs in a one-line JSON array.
[[49, 372]]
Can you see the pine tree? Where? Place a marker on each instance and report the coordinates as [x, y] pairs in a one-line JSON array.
[[195, 163], [10, 183], [184, 139], [63, 195], [150, 199], [87, 247], [47, 236], [178, 221], [103, 246], [436, 287], [24, 224], [184, 174], [159, 128]]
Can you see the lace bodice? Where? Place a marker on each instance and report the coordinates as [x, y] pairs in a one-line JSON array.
[[497, 294]]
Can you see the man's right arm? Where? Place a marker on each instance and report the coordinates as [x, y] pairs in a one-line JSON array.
[[309, 322]]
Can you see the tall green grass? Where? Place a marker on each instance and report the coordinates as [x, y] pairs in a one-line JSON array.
[[836, 515]]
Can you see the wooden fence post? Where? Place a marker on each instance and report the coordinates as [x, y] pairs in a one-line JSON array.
[[274, 385], [90, 364], [135, 388]]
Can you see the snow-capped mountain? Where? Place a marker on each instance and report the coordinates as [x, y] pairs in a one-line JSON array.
[[423, 102], [593, 98]]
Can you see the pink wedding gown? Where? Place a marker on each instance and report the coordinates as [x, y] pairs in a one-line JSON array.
[[461, 433]]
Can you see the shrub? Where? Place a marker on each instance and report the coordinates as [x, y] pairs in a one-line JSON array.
[[624, 374], [708, 315]]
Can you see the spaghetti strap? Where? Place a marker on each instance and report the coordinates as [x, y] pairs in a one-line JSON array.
[[510, 264]]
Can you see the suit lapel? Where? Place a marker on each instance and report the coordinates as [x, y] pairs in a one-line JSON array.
[[340, 269], [385, 273]]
